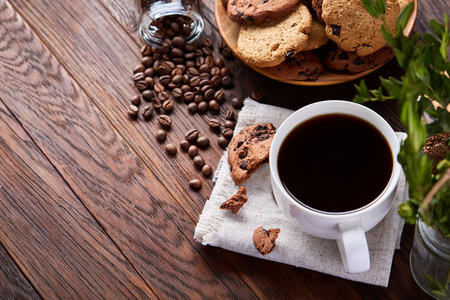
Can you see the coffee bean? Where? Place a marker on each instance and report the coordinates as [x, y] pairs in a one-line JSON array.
[[138, 76], [185, 88], [194, 81], [237, 102], [256, 96], [226, 52], [207, 42], [133, 110], [158, 87], [202, 141], [163, 96], [191, 135], [207, 51], [149, 72], [198, 161], [141, 85], [192, 72], [184, 145], [228, 133], [177, 93], [147, 61], [192, 150], [224, 71], [226, 80], [146, 50], [207, 171], [171, 149], [214, 124], [168, 105], [176, 71], [204, 68], [165, 79], [209, 60], [147, 111], [223, 142], [229, 115], [135, 100], [150, 81], [195, 184], [215, 71], [177, 79], [164, 120], [229, 124], [147, 95], [214, 106], [181, 67], [198, 99], [192, 107], [188, 97], [177, 52], [205, 76], [222, 44], [208, 94], [179, 42], [187, 30], [203, 107], [161, 135], [219, 96], [219, 62], [216, 81], [156, 103], [205, 82], [139, 69]]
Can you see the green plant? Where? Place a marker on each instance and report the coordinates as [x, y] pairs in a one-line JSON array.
[[426, 77]]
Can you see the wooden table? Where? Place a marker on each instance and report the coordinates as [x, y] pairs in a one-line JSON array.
[[90, 204]]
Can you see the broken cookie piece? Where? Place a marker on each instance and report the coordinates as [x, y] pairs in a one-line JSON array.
[[248, 150], [264, 240], [236, 201]]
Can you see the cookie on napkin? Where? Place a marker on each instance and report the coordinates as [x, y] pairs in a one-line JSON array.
[[248, 150]]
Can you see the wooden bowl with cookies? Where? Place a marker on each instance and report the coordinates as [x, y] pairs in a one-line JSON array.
[[308, 42]]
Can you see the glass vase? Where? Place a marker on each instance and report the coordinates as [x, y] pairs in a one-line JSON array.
[[430, 261]]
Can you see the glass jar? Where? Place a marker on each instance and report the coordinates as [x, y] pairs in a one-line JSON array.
[[160, 19], [430, 261]]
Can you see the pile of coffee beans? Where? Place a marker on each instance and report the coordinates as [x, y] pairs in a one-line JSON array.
[[178, 73]]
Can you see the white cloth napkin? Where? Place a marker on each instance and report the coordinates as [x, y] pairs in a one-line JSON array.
[[223, 229]]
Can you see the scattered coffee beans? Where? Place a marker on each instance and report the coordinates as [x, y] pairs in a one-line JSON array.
[[195, 184], [161, 135], [229, 124], [207, 170], [237, 102], [198, 161], [171, 149], [193, 151], [184, 145], [191, 135], [133, 110], [214, 124], [227, 133], [164, 120], [203, 141], [223, 142], [147, 111]]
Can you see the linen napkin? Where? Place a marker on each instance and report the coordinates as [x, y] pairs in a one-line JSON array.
[[234, 232]]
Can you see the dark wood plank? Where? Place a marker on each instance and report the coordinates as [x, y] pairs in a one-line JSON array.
[[131, 204], [49, 233], [13, 285]]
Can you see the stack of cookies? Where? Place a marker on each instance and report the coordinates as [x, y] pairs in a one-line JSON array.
[[299, 39]]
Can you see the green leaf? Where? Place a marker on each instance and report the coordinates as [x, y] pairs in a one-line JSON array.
[[437, 27], [403, 17]]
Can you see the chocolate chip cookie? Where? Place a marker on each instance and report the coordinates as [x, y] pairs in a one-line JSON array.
[[302, 66], [352, 28], [264, 240], [248, 150], [236, 201], [338, 59], [259, 11]]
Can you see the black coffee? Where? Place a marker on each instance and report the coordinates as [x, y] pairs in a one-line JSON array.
[[335, 163]]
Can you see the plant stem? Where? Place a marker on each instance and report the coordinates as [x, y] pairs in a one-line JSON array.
[[426, 202]]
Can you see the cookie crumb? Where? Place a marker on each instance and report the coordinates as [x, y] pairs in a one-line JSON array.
[[236, 201], [264, 240]]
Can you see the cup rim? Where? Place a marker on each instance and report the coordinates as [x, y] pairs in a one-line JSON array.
[[388, 134]]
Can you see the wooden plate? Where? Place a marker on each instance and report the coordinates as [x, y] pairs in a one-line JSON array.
[[229, 31]]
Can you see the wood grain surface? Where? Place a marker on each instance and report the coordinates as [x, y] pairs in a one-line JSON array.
[[91, 206]]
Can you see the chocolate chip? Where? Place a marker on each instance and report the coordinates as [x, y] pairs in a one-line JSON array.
[[343, 56], [243, 165], [336, 30]]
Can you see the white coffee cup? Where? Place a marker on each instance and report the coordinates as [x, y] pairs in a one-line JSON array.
[[347, 228]]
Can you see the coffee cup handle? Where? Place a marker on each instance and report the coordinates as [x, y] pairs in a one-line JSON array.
[[354, 250]]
